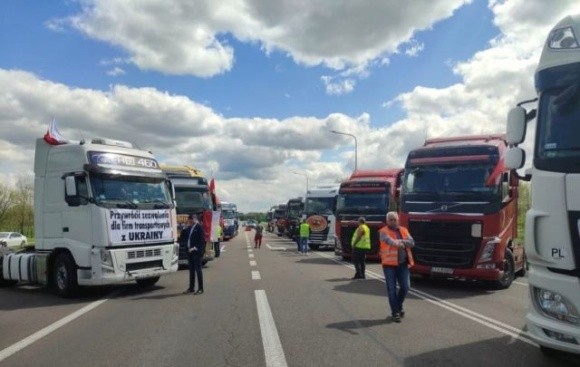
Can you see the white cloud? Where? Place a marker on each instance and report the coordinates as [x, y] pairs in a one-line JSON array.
[[177, 37], [116, 71]]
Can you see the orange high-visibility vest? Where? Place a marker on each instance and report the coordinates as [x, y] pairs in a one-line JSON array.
[[390, 254]]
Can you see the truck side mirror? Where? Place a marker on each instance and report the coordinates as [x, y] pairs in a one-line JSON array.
[[516, 125], [71, 195], [515, 158]]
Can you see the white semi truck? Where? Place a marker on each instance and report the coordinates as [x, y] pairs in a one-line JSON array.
[[319, 206], [552, 240], [103, 214]]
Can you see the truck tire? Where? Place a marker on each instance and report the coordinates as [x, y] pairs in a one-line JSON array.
[[64, 275], [147, 282], [508, 272]]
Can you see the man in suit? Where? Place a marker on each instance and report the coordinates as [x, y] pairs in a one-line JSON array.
[[192, 237]]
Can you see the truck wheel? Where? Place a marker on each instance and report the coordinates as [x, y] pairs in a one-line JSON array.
[[508, 272], [65, 275], [147, 282]]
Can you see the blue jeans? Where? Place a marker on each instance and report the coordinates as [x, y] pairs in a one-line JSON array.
[[393, 275], [304, 244]]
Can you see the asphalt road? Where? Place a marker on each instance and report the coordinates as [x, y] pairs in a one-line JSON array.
[[270, 307]]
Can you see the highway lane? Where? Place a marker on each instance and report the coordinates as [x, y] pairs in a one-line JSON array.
[[299, 311]]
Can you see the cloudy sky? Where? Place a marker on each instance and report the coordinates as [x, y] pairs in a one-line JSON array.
[[248, 90]]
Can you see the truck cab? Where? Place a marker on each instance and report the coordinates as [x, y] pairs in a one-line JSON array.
[[369, 194], [459, 203]]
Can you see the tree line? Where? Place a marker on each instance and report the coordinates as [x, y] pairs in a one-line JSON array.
[[17, 207]]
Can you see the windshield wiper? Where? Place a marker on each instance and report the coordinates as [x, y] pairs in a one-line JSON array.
[[127, 204], [159, 204]]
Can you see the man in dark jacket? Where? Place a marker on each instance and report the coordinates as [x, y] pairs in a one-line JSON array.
[[192, 237]]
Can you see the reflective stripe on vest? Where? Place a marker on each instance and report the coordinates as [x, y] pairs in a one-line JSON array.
[[365, 241], [390, 254]]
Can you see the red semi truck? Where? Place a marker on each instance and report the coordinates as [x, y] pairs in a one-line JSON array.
[[460, 204], [369, 194]]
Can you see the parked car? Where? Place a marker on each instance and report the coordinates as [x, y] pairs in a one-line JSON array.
[[13, 240]]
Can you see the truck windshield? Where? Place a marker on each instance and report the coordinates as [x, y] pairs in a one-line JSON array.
[[315, 206], [559, 125], [228, 214], [294, 210], [129, 190], [449, 180], [192, 199], [363, 202]]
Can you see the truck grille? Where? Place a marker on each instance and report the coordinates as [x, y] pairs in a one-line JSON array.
[[139, 254], [444, 244], [144, 265], [318, 236]]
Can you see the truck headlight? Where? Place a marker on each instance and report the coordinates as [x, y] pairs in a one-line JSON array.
[[106, 257], [488, 249], [555, 305]]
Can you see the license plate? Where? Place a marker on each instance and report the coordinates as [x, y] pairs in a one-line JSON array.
[[182, 262], [439, 270]]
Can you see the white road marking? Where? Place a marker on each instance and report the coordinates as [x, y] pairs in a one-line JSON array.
[[521, 283], [253, 263], [496, 325], [256, 275], [270, 340], [250, 256], [14, 348]]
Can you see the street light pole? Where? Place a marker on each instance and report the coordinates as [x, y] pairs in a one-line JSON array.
[[355, 145], [302, 174]]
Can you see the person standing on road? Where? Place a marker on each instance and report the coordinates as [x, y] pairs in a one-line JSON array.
[[304, 231], [217, 246], [193, 238], [360, 244], [258, 236], [396, 257]]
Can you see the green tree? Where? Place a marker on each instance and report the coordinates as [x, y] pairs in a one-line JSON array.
[[23, 208], [524, 204], [6, 201]]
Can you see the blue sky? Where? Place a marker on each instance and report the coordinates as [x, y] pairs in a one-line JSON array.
[[248, 86]]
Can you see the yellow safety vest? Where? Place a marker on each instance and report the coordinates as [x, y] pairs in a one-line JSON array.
[[304, 229], [365, 241]]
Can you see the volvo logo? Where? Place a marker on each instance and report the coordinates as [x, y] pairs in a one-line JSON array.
[[444, 208]]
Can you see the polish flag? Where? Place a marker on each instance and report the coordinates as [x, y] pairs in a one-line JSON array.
[[53, 136]]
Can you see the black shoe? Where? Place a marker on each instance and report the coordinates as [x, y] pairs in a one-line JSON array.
[[199, 291], [357, 277], [397, 317], [188, 291], [402, 313]]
